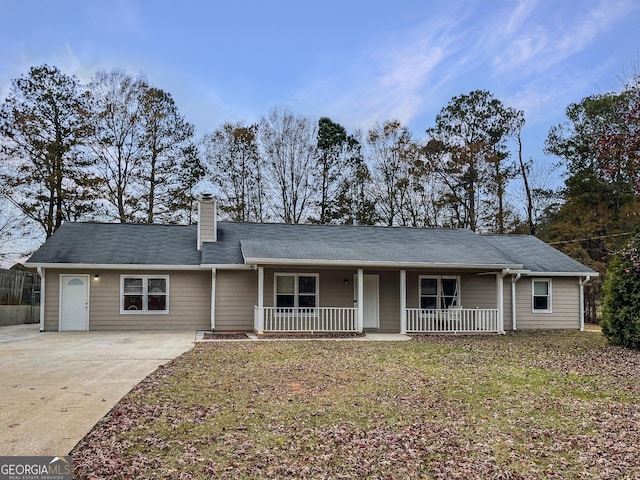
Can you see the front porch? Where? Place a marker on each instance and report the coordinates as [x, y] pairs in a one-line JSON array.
[[397, 301], [345, 320]]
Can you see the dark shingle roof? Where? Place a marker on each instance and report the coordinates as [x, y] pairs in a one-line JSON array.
[[535, 255], [120, 244], [350, 244], [239, 243]]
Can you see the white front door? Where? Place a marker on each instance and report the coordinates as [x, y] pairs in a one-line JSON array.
[[371, 303], [74, 302]]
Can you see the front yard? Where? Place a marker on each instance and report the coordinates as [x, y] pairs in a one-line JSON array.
[[525, 405]]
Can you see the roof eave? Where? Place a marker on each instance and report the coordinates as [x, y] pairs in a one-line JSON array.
[[380, 264], [227, 266], [562, 274], [112, 266]]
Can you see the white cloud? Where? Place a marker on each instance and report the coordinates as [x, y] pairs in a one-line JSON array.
[[516, 20], [117, 16], [550, 36], [390, 77]]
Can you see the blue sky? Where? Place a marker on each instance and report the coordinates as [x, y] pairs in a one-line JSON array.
[[357, 62]]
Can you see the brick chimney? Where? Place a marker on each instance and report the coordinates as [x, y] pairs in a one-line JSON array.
[[207, 219]]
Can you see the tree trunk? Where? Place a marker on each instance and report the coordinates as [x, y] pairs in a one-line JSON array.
[[523, 169]]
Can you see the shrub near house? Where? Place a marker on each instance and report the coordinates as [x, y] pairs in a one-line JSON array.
[[621, 298]]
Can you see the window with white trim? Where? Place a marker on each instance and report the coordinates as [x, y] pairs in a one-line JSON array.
[[293, 290], [144, 294], [541, 295], [439, 292]]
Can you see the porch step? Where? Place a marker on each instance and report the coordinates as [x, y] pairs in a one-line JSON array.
[[385, 337]]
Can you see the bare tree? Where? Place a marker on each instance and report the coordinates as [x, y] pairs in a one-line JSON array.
[[288, 145], [118, 139], [389, 145], [524, 173], [237, 170], [12, 229], [421, 206]]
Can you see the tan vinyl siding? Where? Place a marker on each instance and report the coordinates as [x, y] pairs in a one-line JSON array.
[[52, 299], [565, 308], [508, 323], [236, 295], [189, 301], [389, 282], [478, 291], [332, 288]]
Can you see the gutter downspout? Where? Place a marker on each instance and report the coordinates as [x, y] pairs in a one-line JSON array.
[[213, 299], [42, 289], [500, 300], [582, 283], [514, 280]]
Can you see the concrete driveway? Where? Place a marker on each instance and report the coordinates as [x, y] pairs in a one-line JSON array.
[[55, 386]]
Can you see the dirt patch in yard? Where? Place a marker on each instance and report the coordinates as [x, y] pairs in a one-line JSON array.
[[225, 336]]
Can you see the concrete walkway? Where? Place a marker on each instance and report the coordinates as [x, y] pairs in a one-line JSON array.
[[55, 386]]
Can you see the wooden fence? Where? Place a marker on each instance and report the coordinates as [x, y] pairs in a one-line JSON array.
[[19, 288]]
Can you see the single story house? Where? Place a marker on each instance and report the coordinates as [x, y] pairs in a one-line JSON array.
[[263, 277]]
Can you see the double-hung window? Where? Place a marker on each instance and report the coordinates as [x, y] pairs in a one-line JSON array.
[[439, 292], [144, 294], [296, 290], [541, 295]]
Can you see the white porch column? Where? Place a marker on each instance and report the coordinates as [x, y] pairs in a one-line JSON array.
[[213, 298], [260, 326], [360, 299], [500, 301], [582, 283], [403, 301]]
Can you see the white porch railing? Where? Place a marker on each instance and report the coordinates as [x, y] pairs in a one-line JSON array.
[[317, 319], [452, 320]]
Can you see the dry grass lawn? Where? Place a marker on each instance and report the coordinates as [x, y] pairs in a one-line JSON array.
[[521, 406]]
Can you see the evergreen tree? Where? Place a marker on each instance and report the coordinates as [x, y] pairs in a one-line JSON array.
[[165, 136], [600, 205], [471, 131], [44, 124], [183, 196], [333, 156]]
